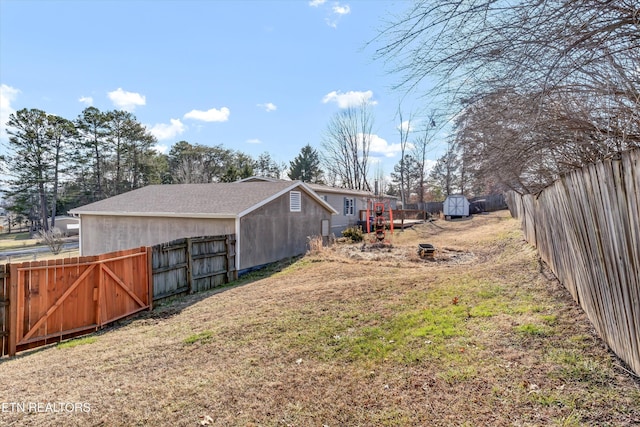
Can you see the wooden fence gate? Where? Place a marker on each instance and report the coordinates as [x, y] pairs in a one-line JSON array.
[[56, 299]]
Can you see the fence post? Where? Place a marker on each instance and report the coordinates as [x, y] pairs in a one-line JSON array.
[[149, 251], [189, 266], [232, 274], [13, 308]]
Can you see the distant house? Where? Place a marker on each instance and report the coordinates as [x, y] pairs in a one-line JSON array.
[[271, 220], [350, 205], [68, 225]]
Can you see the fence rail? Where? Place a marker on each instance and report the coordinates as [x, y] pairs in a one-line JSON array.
[[586, 227], [48, 301]]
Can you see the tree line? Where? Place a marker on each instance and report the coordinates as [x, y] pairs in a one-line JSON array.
[[54, 164]]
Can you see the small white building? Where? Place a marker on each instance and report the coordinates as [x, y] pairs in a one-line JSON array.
[[455, 206], [68, 225]]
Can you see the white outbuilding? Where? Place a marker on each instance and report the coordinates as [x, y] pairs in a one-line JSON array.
[[455, 206]]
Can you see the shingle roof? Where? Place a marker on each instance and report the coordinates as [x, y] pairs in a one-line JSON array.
[[320, 188], [206, 200]]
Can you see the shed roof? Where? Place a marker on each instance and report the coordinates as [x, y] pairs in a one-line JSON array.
[[214, 200]]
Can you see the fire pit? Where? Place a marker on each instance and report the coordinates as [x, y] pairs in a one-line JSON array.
[[426, 250]]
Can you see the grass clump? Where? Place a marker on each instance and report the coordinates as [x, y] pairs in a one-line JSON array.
[[76, 342], [203, 337], [533, 330]]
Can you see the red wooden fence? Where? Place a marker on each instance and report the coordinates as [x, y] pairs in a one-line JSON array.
[[57, 299]]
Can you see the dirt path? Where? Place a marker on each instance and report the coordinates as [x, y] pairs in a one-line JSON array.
[[482, 335]]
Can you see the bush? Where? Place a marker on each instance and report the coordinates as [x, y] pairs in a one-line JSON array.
[[315, 244], [53, 239], [354, 233]]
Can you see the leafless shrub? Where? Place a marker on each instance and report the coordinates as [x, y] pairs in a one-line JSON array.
[[52, 238], [316, 245]]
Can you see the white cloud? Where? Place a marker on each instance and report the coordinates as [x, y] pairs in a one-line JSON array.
[[349, 99], [381, 147], [86, 100], [254, 141], [212, 115], [406, 126], [127, 101], [341, 10], [334, 13], [268, 107], [8, 94], [167, 131], [161, 148], [338, 11]]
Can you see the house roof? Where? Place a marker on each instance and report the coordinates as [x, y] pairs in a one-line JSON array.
[[215, 200], [319, 187]]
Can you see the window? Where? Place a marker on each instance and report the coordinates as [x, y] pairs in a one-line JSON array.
[[348, 205], [295, 201]]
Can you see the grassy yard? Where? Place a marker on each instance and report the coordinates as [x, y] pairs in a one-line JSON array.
[[481, 336], [16, 241]]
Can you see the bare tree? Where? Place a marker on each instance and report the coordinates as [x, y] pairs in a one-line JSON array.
[[547, 84], [404, 128], [190, 171], [346, 145], [420, 150]]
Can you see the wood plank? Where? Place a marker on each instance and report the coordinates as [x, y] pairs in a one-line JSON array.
[[13, 309], [189, 266]]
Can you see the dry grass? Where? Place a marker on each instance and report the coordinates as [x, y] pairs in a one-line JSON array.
[[350, 337]]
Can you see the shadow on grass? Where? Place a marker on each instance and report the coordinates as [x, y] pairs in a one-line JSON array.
[[174, 305]]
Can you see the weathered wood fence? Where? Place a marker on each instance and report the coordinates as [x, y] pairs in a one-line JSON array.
[[48, 301], [193, 264], [586, 227]]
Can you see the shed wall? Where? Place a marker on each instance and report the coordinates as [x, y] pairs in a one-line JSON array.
[[101, 234], [272, 232]]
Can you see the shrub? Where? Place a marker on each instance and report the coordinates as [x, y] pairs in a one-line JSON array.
[[354, 233], [315, 244], [52, 238]]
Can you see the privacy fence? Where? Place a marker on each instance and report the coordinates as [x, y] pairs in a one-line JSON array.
[[488, 203], [48, 301], [586, 227]]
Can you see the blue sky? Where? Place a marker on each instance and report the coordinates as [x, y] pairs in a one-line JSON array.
[[254, 76]]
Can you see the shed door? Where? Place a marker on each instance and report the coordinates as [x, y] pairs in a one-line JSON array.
[[456, 206]]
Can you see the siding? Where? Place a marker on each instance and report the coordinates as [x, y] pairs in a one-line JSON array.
[[341, 221], [101, 234], [272, 232]]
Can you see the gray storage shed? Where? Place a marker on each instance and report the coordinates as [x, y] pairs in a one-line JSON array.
[[455, 205], [271, 220]]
